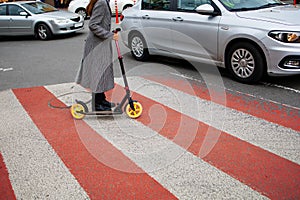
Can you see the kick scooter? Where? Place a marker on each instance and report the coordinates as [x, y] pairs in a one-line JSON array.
[[133, 108]]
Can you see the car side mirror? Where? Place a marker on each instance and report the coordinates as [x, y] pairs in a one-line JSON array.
[[23, 13], [205, 9]]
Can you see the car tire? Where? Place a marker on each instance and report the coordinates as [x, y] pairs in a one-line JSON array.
[[138, 47], [82, 12], [43, 32], [245, 62]]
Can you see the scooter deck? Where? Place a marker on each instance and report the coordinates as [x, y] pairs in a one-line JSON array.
[[103, 113]]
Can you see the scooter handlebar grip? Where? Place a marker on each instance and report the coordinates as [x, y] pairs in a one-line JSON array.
[[116, 30]]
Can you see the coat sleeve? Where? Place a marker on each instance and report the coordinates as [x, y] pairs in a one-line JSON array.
[[97, 18]]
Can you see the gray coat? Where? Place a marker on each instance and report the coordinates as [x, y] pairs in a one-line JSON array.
[[96, 69]]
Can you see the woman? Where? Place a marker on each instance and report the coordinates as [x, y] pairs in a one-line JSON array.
[[96, 70]]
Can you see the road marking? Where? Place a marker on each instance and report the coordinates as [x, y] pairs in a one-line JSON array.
[[164, 156], [233, 168], [6, 191], [98, 180], [272, 111], [282, 87], [6, 69], [243, 93], [238, 114], [35, 170], [232, 155]]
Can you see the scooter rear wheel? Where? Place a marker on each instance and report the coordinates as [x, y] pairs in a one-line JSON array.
[[133, 114], [78, 110]]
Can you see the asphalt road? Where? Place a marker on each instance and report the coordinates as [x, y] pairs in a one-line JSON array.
[[27, 62]]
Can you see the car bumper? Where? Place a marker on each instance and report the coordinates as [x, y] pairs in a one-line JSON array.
[[282, 58], [67, 28]]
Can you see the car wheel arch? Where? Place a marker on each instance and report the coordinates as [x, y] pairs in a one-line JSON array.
[[250, 42], [126, 6], [80, 8]]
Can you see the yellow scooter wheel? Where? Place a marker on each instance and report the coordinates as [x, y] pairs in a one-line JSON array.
[[133, 114], [78, 110]]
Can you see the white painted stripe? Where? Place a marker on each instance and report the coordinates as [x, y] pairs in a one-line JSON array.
[[179, 171], [6, 69], [277, 139], [35, 170], [282, 87]]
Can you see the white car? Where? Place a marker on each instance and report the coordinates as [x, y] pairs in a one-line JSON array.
[[79, 6]]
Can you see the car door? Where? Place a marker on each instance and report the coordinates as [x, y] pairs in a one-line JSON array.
[[4, 20], [19, 24], [194, 36], [156, 23]]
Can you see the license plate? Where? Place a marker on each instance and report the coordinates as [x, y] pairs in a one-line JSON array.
[[78, 25]]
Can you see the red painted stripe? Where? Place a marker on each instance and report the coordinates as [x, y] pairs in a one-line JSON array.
[[265, 172], [279, 114], [6, 190], [88, 156]]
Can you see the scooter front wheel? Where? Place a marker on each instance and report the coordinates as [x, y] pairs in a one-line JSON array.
[[78, 110], [136, 112]]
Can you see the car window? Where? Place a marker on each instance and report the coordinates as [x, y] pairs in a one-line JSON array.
[[3, 10], [14, 10], [190, 5], [156, 4], [244, 5], [39, 7]]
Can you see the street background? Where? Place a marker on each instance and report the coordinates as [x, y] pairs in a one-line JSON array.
[[201, 134]]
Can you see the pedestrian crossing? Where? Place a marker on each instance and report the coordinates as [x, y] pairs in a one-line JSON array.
[[189, 143]]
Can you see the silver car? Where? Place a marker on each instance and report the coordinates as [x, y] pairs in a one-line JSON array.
[[37, 18], [250, 38]]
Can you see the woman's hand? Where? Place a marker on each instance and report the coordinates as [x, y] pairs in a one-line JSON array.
[[116, 36]]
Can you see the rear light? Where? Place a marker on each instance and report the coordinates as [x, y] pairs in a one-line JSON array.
[[121, 17]]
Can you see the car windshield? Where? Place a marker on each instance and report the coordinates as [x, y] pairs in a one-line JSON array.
[[39, 7], [244, 5]]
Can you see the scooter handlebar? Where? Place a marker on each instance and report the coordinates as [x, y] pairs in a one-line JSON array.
[[116, 30]]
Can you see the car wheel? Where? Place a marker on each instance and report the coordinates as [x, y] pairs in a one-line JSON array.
[[43, 32], [138, 47], [82, 12], [245, 62]]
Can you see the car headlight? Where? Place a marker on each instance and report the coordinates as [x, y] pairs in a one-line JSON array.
[[285, 36], [61, 21]]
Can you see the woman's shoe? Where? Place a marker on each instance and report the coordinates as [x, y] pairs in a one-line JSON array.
[[105, 102], [99, 103], [102, 108], [108, 104]]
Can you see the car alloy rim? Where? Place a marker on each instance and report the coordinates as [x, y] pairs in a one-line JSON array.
[[243, 63], [82, 13], [137, 46], [42, 32]]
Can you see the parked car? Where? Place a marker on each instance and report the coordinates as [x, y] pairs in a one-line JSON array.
[[79, 6], [249, 38], [37, 18]]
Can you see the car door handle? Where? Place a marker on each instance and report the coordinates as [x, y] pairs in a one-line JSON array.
[[146, 17], [177, 19]]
